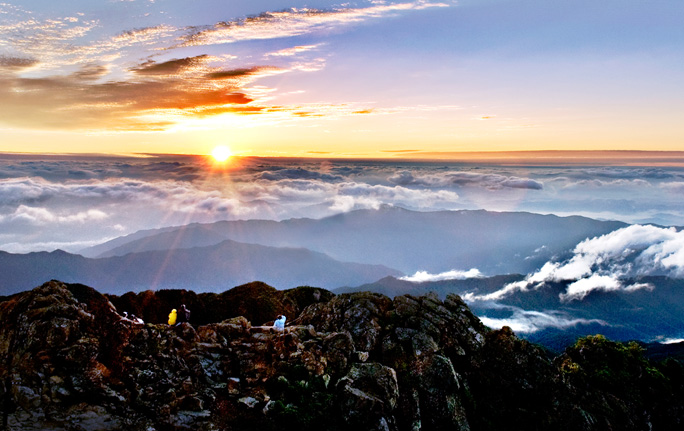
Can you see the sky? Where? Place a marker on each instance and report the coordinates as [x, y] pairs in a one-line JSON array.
[[390, 79]]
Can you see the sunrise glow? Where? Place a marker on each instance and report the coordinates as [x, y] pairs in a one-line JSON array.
[[283, 81], [221, 153]]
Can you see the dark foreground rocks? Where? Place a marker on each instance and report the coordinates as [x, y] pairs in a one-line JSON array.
[[69, 361]]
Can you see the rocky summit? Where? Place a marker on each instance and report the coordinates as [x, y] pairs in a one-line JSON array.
[[70, 361]]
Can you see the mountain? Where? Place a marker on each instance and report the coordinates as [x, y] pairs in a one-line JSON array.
[[649, 314], [205, 269], [646, 314], [358, 361], [409, 241]]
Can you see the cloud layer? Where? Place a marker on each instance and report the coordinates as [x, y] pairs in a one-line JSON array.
[[490, 181], [159, 190], [606, 263]]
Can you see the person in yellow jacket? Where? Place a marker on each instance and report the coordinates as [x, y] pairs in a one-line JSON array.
[[172, 317]]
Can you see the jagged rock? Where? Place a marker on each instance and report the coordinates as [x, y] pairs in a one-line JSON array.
[[363, 315], [257, 302], [69, 361], [368, 396]]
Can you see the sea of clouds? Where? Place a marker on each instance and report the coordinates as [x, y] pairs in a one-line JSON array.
[[72, 202]]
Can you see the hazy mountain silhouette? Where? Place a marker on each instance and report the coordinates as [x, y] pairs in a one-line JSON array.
[[646, 314], [213, 268], [495, 243]]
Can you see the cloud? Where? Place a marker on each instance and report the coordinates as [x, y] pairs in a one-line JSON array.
[[173, 195], [595, 282], [16, 63], [607, 263], [367, 195], [340, 196], [48, 38], [42, 216], [526, 322], [161, 190], [155, 191], [288, 52], [488, 181], [674, 186], [492, 181], [18, 168], [629, 173], [292, 22], [424, 276], [404, 178], [84, 79], [162, 94], [297, 174], [179, 66], [597, 183], [23, 190]]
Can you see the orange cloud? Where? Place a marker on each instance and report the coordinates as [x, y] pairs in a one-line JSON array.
[[80, 101], [62, 76]]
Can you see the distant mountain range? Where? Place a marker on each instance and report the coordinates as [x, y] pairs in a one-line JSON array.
[[214, 268], [344, 250], [408, 241], [374, 250], [646, 314]]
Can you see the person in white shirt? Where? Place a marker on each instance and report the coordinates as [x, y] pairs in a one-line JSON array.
[[279, 323]]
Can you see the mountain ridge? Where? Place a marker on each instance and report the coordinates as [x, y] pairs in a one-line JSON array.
[[409, 241], [211, 268]]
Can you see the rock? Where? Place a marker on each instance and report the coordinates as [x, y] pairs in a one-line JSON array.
[[361, 314], [349, 362], [250, 402]]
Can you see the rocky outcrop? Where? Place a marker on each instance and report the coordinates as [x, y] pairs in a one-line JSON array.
[[256, 301], [420, 339], [361, 361]]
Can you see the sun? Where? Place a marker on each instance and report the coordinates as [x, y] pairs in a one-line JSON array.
[[221, 153]]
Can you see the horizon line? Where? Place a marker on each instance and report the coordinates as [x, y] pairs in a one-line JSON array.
[[525, 157]]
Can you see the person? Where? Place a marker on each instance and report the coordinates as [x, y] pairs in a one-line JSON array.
[[183, 314], [133, 318], [279, 323], [172, 317]]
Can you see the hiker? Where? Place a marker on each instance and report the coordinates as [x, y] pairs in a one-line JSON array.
[[133, 318], [172, 317], [279, 323], [183, 314]]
